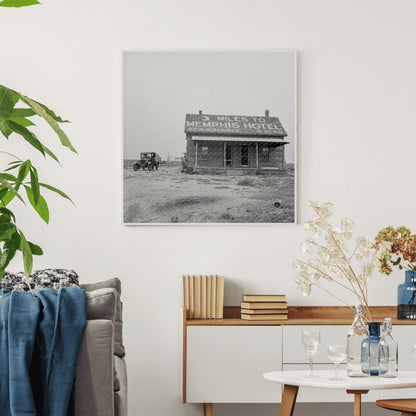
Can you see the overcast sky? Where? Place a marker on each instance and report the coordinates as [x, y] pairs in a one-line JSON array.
[[161, 87]]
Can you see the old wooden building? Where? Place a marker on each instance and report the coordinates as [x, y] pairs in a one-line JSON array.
[[251, 144]]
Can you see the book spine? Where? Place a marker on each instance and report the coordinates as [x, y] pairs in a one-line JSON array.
[[186, 294], [214, 297], [191, 296], [197, 297], [209, 301], [203, 297], [220, 297]]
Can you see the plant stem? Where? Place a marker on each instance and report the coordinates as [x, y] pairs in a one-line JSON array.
[[326, 274]]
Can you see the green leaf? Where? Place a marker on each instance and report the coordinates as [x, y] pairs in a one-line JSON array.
[[51, 118], [10, 196], [3, 192], [22, 112], [25, 122], [7, 212], [13, 165], [6, 231], [27, 135], [23, 171], [15, 162], [5, 219], [58, 191], [7, 177], [18, 3], [51, 113], [10, 248], [36, 250], [34, 183], [27, 254], [6, 258], [5, 130], [41, 207], [7, 102], [50, 153]]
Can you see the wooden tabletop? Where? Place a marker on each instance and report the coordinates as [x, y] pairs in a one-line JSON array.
[[305, 315]]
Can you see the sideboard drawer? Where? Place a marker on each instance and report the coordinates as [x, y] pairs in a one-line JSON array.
[[225, 364], [293, 352]]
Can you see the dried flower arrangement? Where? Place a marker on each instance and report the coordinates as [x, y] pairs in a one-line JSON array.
[[394, 245], [334, 258]]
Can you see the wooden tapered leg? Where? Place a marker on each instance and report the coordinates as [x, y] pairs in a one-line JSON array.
[[208, 409], [357, 400], [288, 400]]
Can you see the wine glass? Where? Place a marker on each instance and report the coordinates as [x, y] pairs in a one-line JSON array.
[[310, 342], [337, 354]]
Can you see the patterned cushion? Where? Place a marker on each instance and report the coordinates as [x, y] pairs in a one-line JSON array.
[[46, 278]]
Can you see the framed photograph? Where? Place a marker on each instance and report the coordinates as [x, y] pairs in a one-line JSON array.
[[209, 137]]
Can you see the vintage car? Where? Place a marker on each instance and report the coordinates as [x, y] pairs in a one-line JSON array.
[[148, 160]]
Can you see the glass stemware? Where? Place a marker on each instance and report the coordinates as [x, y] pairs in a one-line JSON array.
[[337, 354], [310, 342]]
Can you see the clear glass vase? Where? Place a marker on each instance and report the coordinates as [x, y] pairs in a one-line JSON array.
[[357, 335], [388, 352]]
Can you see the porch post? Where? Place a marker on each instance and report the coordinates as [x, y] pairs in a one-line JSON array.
[[196, 153], [257, 155], [225, 153]]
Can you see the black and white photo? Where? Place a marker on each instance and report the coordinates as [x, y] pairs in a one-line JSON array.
[[209, 137]]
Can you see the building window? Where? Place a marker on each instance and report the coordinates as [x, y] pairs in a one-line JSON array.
[[228, 160], [265, 153], [204, 152], [244, 155]]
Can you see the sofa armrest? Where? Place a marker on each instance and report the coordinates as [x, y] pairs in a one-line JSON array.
[[120, 396], [94, 385]]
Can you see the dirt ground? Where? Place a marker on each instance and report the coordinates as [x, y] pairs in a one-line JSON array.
[[169, 196]]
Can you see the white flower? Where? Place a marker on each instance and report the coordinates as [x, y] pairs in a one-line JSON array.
[[348, 224], [305, 247], [297, 264]]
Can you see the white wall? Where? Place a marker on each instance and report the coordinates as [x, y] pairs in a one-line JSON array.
[[357, 102]]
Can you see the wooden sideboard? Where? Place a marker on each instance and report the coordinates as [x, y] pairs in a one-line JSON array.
[[224, 359]]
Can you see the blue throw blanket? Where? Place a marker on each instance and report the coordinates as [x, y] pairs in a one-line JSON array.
[[40, 338]]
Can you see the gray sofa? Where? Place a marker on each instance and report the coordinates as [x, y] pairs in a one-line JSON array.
[[101, 379]]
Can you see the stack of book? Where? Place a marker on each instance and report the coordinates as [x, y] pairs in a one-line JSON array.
[[203, 297], [264, 307]]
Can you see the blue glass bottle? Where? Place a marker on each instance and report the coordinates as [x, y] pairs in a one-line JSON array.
[[406, 293], [370, 353]]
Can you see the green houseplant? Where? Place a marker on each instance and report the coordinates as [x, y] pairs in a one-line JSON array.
[[19, 180]]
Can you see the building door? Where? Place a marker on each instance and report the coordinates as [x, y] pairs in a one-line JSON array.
[[244, 155], [228, 155]]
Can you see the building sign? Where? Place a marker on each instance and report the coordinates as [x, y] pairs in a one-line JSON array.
[[233, 125]]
